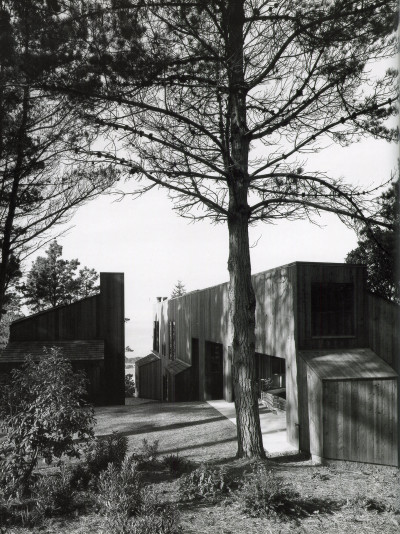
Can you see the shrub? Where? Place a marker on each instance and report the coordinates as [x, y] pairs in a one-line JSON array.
[[158, 520], [120, 495], [104, 451], [54, 494], [42, 413], [147, 453], [176, 464], [263, 494], [203, 482], [129, 386]]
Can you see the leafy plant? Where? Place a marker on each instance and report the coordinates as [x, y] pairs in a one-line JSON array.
[[43, 415], [176, 463], [147, 453], [54, 494], [204, 482], [102, 452], [263, 494], [129, 386], [120, 495]]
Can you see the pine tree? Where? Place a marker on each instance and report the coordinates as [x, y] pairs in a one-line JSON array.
[[179, 290]]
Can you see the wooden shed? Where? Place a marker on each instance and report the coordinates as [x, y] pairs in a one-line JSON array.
[[89, 331], [348, 406]]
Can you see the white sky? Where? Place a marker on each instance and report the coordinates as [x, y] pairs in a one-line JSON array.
[[154, 247]]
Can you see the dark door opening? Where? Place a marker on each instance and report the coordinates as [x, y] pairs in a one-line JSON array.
[[214, 371]]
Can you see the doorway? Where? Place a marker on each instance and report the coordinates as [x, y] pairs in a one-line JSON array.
[[214, 371]]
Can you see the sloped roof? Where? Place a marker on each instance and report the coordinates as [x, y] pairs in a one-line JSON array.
[[147, 359], [347, 364], [177, 366], [16, 351]]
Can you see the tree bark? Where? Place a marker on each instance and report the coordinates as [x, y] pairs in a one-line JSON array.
[[242, 303]]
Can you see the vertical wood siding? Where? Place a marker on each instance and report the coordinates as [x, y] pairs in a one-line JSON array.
[[150, 380], [360, 421], [384, 329]]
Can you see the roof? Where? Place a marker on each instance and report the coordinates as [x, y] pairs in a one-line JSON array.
[[177, 366], [16, 351], [152, 357], [347, 364]]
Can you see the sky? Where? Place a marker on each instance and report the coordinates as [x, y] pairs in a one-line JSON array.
[[155, 248]]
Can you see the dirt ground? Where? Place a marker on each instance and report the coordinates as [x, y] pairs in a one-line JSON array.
[[201, 434]]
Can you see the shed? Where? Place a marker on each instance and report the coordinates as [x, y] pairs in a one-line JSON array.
[[347, 406]]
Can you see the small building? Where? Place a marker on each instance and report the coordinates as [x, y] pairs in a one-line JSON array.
[[90, 333], [327, 349]]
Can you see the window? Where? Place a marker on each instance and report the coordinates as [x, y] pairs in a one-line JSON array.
[[156, 336], [332, 309], [172, 342]]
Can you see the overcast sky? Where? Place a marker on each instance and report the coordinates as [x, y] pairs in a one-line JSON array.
[[148, 242]]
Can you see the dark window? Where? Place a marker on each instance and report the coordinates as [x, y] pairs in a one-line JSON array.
[[332, 309], [163, 349], [156, 336], [172, 342]]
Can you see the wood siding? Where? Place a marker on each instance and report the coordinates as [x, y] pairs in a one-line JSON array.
[[360, 421], [150, 380], [100, 317], [78, 320], [384, 329]]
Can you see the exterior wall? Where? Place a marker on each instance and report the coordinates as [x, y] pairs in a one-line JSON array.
[[78, 320], [384, 329], [149, 380], [360, 421], [97, 317]]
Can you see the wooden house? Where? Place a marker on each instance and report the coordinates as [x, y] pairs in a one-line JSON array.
[[90, 332], [327, 349]]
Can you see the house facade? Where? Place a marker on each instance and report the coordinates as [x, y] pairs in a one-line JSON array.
[[324, 346], [90, 332]]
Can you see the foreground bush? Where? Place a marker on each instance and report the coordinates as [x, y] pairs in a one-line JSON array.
[[42, 412], [54, 494], [204, 482], [176, 464], [128, 507], [104, 451], [263, 494]]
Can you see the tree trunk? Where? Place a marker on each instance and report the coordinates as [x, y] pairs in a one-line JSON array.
[[242, 304]]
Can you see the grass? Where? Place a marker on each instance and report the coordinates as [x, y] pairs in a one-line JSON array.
[[351, 498]]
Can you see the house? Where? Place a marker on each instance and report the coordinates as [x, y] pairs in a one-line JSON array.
[[327, 348], [90, 333]]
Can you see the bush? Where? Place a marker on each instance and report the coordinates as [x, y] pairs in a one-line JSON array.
[[42, 413], [204, 482], [54, 494], [129, 386], [158, 520], [120, 495], [102, 452], [263, 494], [176, 464], [147, 453]]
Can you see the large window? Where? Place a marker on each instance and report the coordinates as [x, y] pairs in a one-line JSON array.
[[332, 309]]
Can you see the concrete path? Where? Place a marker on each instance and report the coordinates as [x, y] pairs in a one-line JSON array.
[[273, 426]]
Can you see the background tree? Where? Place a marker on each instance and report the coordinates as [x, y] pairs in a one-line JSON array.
[[378, 248], [179, 290], [236, 94], [53, 281], [39, 186]]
